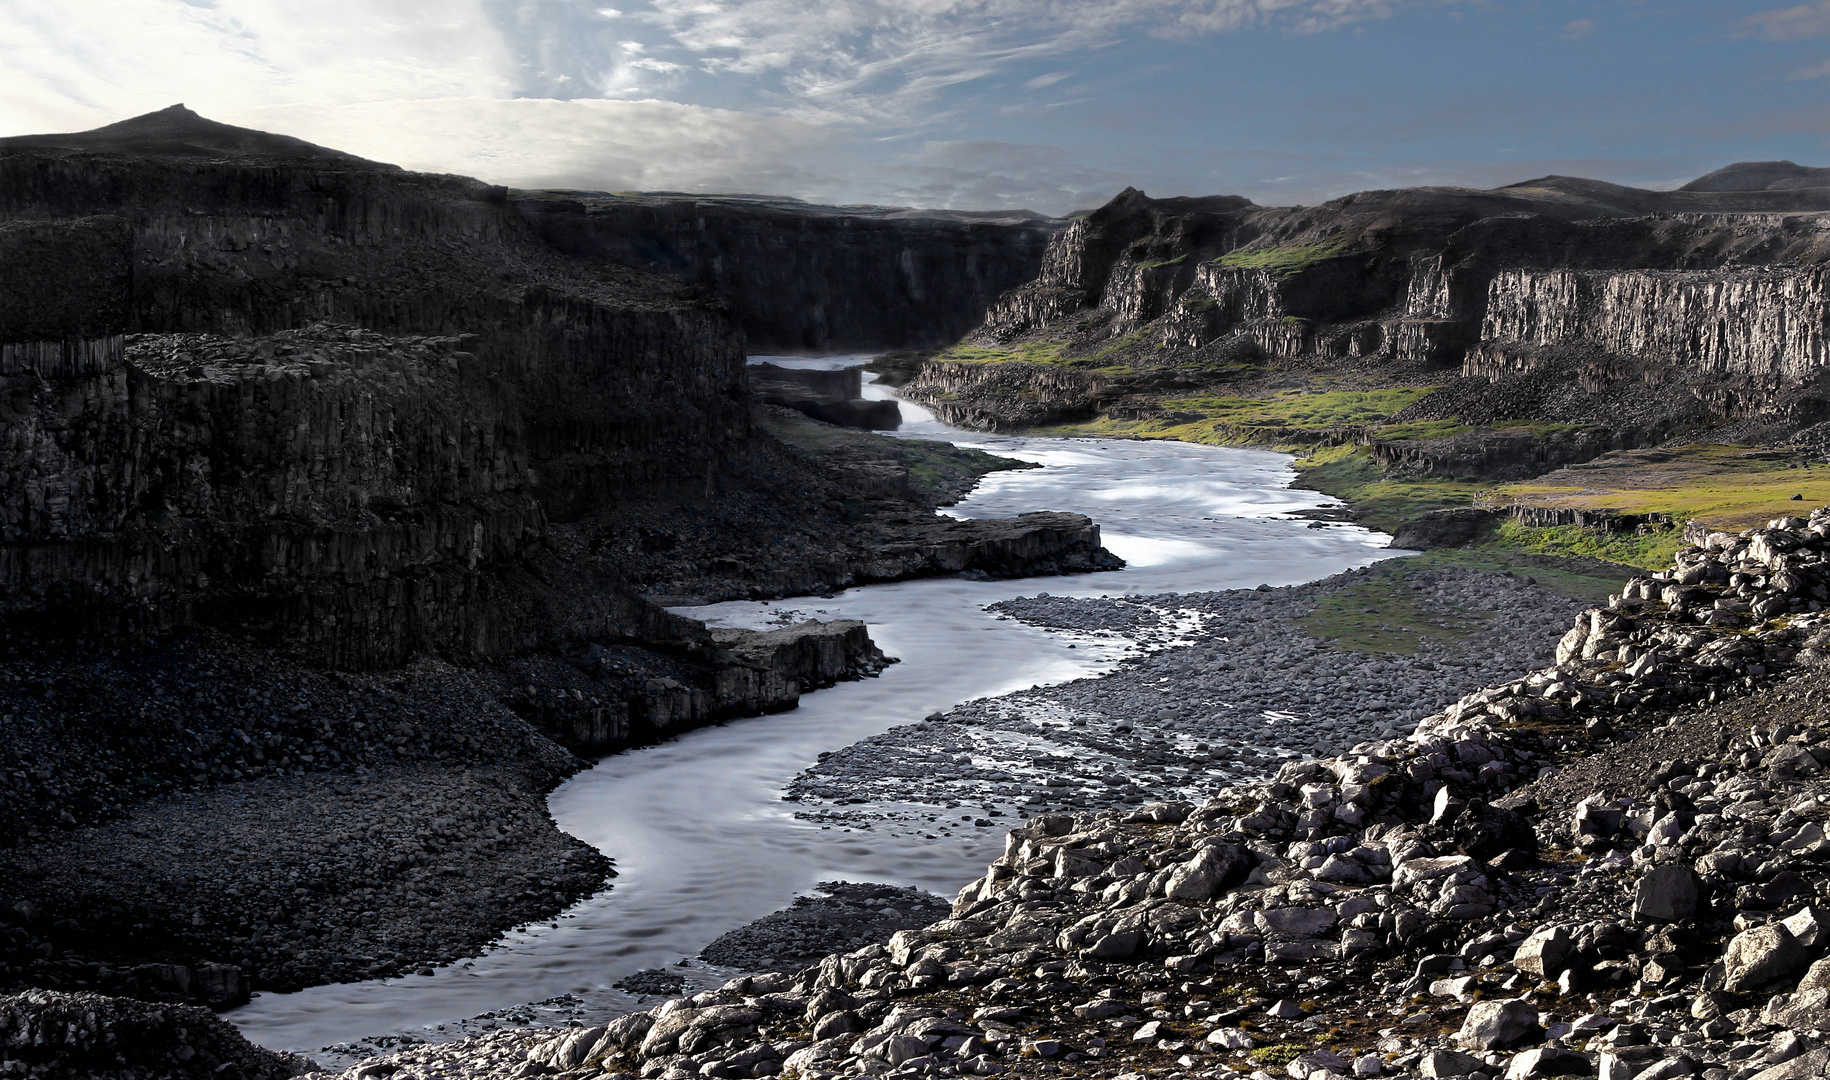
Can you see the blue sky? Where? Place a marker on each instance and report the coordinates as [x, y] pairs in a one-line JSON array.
[[1050, 104]]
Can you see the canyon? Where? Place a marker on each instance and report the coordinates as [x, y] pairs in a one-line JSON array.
[[346, 510]]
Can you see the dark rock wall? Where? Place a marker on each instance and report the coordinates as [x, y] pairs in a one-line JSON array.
[[368, 487], [802, 278]]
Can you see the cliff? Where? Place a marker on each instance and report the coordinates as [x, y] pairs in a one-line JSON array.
[[357, 414], [806, 278], [1576, 302]]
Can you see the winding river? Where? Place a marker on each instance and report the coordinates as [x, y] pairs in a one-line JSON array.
[[700, 836]]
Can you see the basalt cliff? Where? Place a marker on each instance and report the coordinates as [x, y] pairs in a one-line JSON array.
[[806, 278], [1609, 317]]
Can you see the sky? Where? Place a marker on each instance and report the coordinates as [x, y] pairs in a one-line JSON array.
[[1052, 105]]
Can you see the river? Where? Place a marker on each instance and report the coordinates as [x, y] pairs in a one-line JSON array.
[[701, 838]]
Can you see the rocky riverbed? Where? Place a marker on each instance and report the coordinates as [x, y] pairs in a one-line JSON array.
[[1525, 886], [1229, 686]]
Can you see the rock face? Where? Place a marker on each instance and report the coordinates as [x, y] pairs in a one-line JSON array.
[[1701, 302], [361, 486], [801, 277]]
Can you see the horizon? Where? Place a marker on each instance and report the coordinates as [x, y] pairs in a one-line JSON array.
[[982, 105]]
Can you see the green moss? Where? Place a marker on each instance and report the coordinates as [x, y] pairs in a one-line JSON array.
[[1723, 486], [1047, 353], [1198, 304], [1381, 502], [1154, 263], [1277, 1055], [1651, 550], [1286, 260]]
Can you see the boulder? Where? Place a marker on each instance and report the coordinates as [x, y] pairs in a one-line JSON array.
[[1438, 1064], [1762, 955], [1544, 954], [1798, 1068], [1500, 1025], [1666, 893], [1545, 1061]]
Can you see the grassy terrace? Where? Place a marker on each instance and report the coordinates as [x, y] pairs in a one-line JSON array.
[[1728, 487], [1285, 261], [1047, 353]]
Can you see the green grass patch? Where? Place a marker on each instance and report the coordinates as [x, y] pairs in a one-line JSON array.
[[1277, 1055], [1047, 353], [1303, 409], [1286, 260], [1652, 550], [1154, 263], [1726, 487], [1381, 614], [1350, 474]]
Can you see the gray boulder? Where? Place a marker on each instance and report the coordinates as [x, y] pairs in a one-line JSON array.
[[1545, 1061], [1500, 1025], [1544, 954], [1438, 1064], [1666, 893], [1762, 955]]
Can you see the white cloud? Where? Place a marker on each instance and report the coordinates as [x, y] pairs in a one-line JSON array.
[[593, 144], [1814, 71], [1580, 28], [1789, 23], [887, 59], [77, 63]]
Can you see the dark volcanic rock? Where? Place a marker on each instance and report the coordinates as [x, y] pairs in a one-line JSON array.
[[1444, 528], [845, 915], [802, 277], [52, 1035]]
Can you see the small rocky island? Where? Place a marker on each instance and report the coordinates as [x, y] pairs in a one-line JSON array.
[[350, 510]]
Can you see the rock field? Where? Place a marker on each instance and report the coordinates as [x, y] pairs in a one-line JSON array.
[[1524, 886]]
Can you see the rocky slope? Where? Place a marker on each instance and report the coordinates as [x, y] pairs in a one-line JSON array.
[[1629, 314], [1610, 866], [807, 278]]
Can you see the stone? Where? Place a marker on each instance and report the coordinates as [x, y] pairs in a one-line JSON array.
[[1667, 892], [1296, 922], [1817, 977], [1499, 1025], [1147, 1032], [1808, 925], [1544, 1061], [1285, 1009], [1798, 1068], [1765, 954], [1544, 954], [1325, 1062], [1231, 1038], [1207, 873], [1438, 1064]]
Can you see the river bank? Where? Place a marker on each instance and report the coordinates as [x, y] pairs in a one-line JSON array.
[[1599, 866]]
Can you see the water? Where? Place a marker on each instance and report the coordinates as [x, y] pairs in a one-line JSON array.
[[701, 838]]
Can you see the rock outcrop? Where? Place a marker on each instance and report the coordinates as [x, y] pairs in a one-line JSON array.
[[807, 278]]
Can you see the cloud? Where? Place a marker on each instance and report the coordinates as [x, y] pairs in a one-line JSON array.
[[77, 63], [889, 59], [1815, 71], [1578, 29], [1790, 23], [591, 144]]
